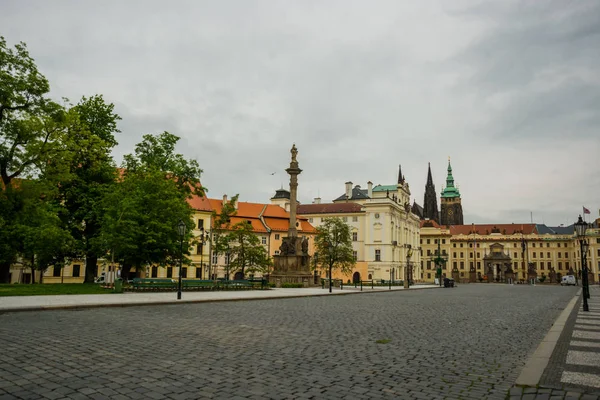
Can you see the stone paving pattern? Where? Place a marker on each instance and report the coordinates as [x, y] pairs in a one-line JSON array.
[[470, 342], [551, 385]]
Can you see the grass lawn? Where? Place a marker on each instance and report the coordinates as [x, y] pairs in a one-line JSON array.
[[51, 289]]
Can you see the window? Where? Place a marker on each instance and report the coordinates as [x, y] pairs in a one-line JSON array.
[[566, 265], [462, 255], [462, 265], [534, 255], [227, 258], [455, 265], [310, 220], [428, 241], [429, 275], [461, 245], [558, 244], [345, 219], [515, 265], [277, 236], [184, 272], [559, 254], [471, 255], [560, 265], [276, 252], [428, 252], [471, 265], [444, 251], [541, 265], [453, 244], [200, 248], [56, 271], [533, 244], [548, 255], [443, 241], [547, 244], [370, 277], [429, 264], [515, 254], [169, 272], [355, 219], [198, 272], [435, 241], [354, 236], [454, 255], [597, 240], [263, 240], [355, 255], [598, 252], [154, 272], [478, 255], [549, 265], [377, 255], [215, 259], [76, 270], [478, 265], [201, 224]]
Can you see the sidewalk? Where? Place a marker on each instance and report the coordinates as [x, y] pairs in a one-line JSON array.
[[573, 370], [36, 303]]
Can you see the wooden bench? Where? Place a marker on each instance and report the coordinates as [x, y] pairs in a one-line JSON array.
[[153, 283], [198, 284]]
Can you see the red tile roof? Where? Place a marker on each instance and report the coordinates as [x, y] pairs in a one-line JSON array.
[[429, 223], [486, 229], [329, 208], [275, 217]]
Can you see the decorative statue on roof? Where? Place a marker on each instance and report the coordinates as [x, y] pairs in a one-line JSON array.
[[294, 152], [305, 246]]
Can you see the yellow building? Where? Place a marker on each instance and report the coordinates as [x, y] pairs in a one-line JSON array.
[[385, 233], [490, 251]]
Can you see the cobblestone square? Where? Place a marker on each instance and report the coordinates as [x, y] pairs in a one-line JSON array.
[[469, 342]]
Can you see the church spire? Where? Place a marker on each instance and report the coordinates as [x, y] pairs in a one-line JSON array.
[[450, 190], [400, 177], [429, 178], [430, 208]]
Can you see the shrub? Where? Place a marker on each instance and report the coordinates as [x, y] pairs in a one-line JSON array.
[[291, 285]]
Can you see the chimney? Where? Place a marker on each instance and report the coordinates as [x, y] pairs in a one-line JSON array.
[[370, 189], [348, 190], [224, 199], [235, 204], [317, 200]]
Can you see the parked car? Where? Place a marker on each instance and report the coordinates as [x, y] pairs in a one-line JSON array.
[[568, 280]]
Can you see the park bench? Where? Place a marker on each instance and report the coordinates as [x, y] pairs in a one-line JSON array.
[[237, 284], [198, 284], [153, 283]]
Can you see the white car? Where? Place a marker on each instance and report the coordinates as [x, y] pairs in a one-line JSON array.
[[568, 280]]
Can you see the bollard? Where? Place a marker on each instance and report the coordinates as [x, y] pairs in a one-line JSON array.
[[361, 286], [341, 284], [372, 287], [322, 283]]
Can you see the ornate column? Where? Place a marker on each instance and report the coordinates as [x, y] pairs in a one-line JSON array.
[[293, 171]]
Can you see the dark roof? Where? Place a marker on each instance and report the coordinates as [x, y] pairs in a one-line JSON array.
[[329, 208], [555, 230], [281, 194], [417, 209], [357, 194]]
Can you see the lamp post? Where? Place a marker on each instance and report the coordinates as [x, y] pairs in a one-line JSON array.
[[407, 273], [439, 261], [580, 228], [204, 236], [181, 231]]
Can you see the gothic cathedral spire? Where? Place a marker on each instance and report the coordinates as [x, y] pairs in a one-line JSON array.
[[430, 209], [400, 177]]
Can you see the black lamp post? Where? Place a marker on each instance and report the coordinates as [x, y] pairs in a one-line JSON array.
[[439, 261], [580, 228], [408, 270], [204, 236], [181, 231]]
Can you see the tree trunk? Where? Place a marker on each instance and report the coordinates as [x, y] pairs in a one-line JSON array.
[[91, 266], [33, 269], [125, 271], [4, 272]]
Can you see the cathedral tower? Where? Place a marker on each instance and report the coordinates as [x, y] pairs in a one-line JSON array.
[[451, 207], [430, 208]]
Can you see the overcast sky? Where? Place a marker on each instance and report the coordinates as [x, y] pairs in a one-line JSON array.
[[509, 89]]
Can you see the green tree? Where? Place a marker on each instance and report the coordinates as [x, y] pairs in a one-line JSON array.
[[221, 225], [30, 128], [140, 224], [85, 172], [333, 243], [247, 254]]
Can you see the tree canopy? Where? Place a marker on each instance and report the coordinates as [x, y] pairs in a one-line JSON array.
[[333, 244]]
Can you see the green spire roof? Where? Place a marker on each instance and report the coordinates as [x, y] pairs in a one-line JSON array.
[[450, 191]]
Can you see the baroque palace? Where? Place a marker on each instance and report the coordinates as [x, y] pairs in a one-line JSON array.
[[391, 239]]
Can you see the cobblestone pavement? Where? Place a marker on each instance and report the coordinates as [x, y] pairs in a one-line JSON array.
[[574, 368], [469, 342]]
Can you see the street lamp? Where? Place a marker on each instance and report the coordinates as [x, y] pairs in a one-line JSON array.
[[580, 228], [181, 231], [407, 273], [439, 261], [204, 236]]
